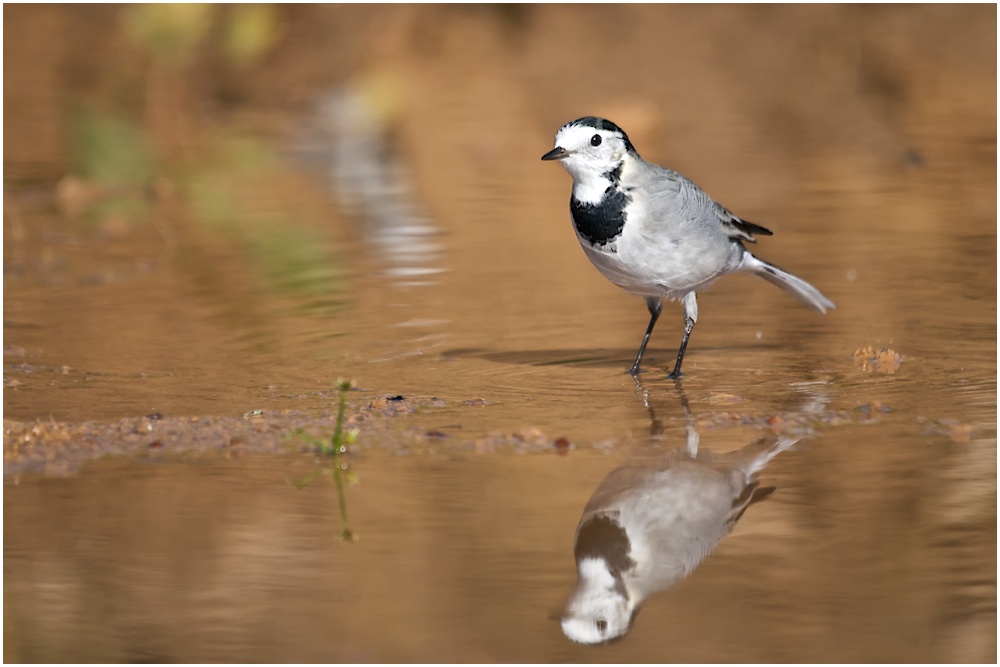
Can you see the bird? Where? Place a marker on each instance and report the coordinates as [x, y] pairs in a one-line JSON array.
[[650, 523], [652, 231]]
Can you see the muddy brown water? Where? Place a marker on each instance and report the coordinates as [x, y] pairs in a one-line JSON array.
[[147, 507]]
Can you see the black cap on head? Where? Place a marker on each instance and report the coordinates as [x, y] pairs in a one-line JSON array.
[[603, 124]]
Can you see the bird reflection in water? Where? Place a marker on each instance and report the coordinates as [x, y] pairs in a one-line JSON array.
[[651, 522]]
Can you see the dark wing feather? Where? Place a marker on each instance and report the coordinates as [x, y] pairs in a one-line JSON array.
[[738, 228]]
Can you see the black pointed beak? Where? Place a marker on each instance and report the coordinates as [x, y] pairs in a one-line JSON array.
[[557, 153]]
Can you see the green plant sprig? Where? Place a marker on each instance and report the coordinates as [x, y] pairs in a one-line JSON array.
[[333, 449]]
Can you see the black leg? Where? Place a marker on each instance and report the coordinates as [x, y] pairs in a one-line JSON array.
[[655, 306], [688, 326]]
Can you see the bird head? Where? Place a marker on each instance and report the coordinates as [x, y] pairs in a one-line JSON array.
[[599, 609], [592, 150]]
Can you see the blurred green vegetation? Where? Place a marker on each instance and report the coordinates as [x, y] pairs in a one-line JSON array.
[[222, 180], [112, 157], [250, 32], [110, 150], [172, 33], [169, 32]]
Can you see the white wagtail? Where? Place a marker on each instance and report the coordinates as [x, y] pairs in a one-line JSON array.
[[649, 524], [653, 232]]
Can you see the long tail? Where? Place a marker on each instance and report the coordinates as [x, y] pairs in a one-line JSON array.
[[751, 459], [797, 287]]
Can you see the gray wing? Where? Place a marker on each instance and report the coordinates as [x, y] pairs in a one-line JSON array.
[[667, 182]]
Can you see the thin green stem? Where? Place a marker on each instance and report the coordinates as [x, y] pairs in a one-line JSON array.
[[334, 449], [338, 448]]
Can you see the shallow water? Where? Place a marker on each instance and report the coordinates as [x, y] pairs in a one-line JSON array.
[[457, 285], [464, 557]]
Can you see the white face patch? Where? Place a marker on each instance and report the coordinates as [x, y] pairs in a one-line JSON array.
[[598, 147], [596, 611], [593, 155]]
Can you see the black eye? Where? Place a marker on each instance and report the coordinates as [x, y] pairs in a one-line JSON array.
[[596, 141], [602, 625]]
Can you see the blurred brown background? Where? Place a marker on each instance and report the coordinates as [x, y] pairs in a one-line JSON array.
[[731, 91]]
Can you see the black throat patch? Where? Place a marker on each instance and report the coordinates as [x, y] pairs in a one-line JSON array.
[[602, 223], [603, 537]]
